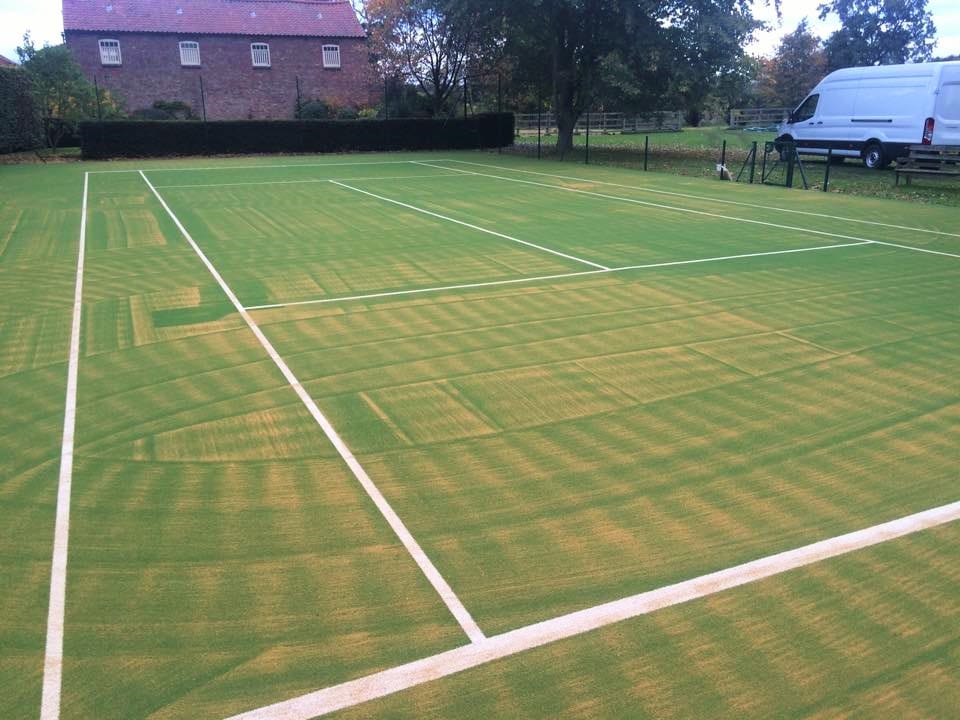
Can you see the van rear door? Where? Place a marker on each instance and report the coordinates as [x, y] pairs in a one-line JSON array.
[[947, 114]]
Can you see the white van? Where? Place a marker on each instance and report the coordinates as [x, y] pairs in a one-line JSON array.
[[874, 113]]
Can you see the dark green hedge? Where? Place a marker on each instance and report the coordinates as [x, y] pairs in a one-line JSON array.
[[136, 138], [19, 128]]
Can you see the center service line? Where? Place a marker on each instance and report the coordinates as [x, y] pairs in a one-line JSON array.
[[443, 589], [466, 224], [526, 638]]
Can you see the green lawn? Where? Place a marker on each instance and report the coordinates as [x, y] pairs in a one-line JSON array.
[[567, 430], [695, 152]]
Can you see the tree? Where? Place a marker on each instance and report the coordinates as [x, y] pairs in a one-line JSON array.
[[639, 50], [431, 41], [879, 32], [799, 63], [60, 92], [569, 41], [708, 38]]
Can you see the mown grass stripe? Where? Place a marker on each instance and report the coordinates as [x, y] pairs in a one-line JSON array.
[[443, 589], [707, 198], [661, 206], [526, 638], [541, 278], [311, 180], [471, 226]]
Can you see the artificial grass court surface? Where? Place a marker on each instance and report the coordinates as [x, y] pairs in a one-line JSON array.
[[551, 445]]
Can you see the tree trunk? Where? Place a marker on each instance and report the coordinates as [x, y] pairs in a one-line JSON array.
[[565, 103]]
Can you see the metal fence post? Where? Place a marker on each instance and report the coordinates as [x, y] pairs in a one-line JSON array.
[[96, 87], [791, 163], [646, 151], [826, 174], [586, 158], [539, 120], [723, 158], [753, 161], [299, 98]]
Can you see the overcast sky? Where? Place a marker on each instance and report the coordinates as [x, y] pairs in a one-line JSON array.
[[43, 19]]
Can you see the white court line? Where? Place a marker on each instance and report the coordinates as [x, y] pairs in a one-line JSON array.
[[494, 283], [916, 249], [709, 199], [453, 173], [409, 542], [53, 654], [659, 206], [257, 167], [466, 224], [526, 638]]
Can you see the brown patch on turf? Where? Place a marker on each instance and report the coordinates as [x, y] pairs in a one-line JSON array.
[[427, 413]]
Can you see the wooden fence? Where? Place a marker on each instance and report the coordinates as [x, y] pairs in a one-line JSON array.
[[757, 117], [614, 122]]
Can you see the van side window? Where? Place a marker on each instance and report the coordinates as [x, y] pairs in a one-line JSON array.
[[949, 102], [807, 110]]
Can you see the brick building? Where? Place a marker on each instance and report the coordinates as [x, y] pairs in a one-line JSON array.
[[246, 54], [4, 62]]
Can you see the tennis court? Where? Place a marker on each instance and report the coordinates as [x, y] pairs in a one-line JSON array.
[[347, 425]]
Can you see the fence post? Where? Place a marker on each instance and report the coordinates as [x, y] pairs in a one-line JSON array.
[[386, 98], [826, 174], [499, 114], [203, 99], [96, 87], [646, 151], [464, 96], [790, 165], [586, 159], [723, 158], [539, 119], [299, 98], [753, 161]]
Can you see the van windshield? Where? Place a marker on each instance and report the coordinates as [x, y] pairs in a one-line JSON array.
[[949, 103], [807, 110]]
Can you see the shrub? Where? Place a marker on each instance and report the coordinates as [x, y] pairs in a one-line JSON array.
[[19, 129], [315, 110]]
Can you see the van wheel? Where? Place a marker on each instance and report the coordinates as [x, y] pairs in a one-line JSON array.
[[873, 157]]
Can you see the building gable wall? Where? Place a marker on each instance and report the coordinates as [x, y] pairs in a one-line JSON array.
[[233, 88]]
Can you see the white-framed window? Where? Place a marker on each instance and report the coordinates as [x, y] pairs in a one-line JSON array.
[[260, 52], [331, 56], [190, 53], [110, 52]]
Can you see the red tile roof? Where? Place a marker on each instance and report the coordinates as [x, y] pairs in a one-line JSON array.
[[4, 62], [311, 18]]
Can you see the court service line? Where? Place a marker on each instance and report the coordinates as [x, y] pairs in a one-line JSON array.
[[515, 281], [406, 676], [707, 198], [916, 249], [443, 589], [53, 652], [659, 206], [469, 225], [256, 167], [453, 173]]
